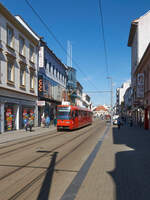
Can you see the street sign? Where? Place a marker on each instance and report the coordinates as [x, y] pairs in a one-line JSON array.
[[40, 103]]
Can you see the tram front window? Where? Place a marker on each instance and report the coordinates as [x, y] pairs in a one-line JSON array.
[[63, 113]]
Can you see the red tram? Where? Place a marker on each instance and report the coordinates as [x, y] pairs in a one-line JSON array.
[[72, 117]]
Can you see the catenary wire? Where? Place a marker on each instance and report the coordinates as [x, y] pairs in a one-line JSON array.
[[59, 43], [103, 34]]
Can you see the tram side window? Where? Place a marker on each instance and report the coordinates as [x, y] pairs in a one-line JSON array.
[[76, 113], [73, 114]]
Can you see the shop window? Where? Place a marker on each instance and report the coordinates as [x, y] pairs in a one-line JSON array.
[[22, 76], [10, 35], [21, 45], [31, 53], [10, 71], [10, 121]]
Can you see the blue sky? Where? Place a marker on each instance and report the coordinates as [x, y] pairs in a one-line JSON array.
[[79, 22]]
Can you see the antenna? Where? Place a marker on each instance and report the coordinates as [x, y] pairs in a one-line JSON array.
[[69, 53]]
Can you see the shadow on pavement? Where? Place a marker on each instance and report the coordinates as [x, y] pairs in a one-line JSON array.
[[46, 186], [132, 164]]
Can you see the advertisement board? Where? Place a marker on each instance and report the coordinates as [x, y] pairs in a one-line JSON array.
[[140, 85]]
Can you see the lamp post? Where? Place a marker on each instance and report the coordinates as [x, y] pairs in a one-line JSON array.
[[111, 98]]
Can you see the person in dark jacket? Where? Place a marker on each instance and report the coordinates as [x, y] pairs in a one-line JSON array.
[[30, 122]]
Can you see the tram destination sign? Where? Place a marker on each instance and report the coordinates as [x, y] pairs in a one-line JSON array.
[[64, 109]]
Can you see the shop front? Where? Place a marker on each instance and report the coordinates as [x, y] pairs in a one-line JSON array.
[[10, 117], [13, 112], [27, 112]]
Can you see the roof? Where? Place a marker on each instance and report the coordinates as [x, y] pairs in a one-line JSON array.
[[17, 24], [100, 108], [133, 28], [132, 32]]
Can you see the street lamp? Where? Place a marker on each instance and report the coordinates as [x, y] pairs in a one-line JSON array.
[[111, 98]]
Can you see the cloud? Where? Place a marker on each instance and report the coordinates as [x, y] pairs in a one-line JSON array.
[[88, 78]]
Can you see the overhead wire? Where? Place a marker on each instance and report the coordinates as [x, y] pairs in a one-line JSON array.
[[58, 42], [103, 34]]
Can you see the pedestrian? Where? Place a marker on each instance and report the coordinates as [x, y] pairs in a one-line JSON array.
[[26, 123], [119, 123], [30, 123], [55, 121], [140, 122], [47, 121], [131, 122], [43, 120]]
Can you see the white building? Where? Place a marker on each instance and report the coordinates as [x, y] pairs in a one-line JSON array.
[[120, 95], [86, 101], [139, 38], [128, 98], [79, 94], [18, 73], [100, 111]]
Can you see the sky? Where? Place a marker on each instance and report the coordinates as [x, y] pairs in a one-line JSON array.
[[80, 22]]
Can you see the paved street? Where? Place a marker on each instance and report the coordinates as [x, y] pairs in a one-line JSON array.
[[121, 169], [19, 134], [118, 170]]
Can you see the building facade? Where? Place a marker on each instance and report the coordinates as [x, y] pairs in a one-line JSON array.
[[79, 92], [120, 96], [18, 73], [52, 81], [139, 38], [71, 84], [86, 101]]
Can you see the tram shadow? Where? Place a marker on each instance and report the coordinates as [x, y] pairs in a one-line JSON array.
[[46, 186], [73, 130], [132, 163]]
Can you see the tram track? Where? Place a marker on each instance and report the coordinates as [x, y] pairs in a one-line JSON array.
[[29, 138], [56, 134], [44, 154], [27, 145], [48, 170]]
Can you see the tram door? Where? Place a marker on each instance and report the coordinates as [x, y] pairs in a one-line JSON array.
[[74, 118]]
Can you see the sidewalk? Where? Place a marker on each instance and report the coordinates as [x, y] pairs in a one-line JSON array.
[[18, 134], [121, 170]]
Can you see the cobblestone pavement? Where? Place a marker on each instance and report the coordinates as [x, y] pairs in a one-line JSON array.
[[121, 170], [18, 134]]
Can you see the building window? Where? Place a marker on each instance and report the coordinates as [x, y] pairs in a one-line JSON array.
[[31, 81], [10, 34], [45, 63], [22, 76], [21, 46], [53, 70], [10, 71], [49, 67], [31, 53]]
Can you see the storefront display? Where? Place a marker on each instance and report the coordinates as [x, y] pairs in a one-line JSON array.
[[9, 119], [28, 113]]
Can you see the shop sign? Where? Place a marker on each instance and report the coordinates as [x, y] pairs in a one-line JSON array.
[[140, 85], [41, 57], [41, 103], [40, 85]]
